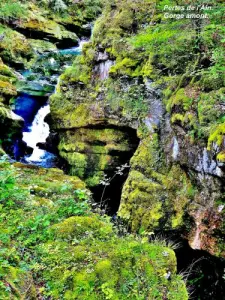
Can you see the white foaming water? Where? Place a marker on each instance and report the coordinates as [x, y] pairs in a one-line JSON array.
[[38, 134], [74, 50], [80, 47], [39, 130], [52, 61]]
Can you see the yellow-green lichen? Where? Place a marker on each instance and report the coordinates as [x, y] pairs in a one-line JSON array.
[[179, 99]]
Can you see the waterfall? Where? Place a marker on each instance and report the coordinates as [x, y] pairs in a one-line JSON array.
[[39, 131], [36, 130]]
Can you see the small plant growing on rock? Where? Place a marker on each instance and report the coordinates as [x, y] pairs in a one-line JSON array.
[[106, 181]]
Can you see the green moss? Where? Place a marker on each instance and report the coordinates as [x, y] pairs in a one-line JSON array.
[[74, 253], [6, 71], [177, 117], [209, 112], [106, 273], [80, 227], [212, 81], [78, 161], [128, 101], [104, 270], [179, 99], [217, 135], [49, 182], [154, 196], [21, 283], [7, 88], [48, 28], [14, 47], [126, 66], [89, 151], [41, 46], [221, 156], [78, 72]]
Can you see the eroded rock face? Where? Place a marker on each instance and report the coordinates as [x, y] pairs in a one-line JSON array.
[[47, 29], [172, 185], [10, 123], [165, 191], [92, 141], [92, 151], [94, 136], [176, 181], [207, 176]]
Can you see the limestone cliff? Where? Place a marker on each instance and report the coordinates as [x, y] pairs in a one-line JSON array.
[[164, 79]]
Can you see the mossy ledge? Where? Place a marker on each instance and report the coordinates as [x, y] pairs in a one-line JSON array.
[[52, 245]]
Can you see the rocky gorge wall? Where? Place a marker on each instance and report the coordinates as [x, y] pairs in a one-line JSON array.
[[27, 30], [162, 84], [143, 106]]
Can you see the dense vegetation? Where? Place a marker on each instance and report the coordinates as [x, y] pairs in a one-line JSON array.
[[147, 87], [79, 10], [52, 245]]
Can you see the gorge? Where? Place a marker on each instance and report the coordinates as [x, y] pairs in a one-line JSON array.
[[135, 118], [32, 104]]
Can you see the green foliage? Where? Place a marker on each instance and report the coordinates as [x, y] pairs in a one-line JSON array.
[[186, 58], [78, 72], [131, 100], [166, 44], [179, 99], [10, 9], [58, 5], [14, 47], [8, 193], [52, 244]]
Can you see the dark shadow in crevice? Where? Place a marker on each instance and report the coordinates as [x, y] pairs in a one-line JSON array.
[[109, 197], [205, 272], [202, 272]]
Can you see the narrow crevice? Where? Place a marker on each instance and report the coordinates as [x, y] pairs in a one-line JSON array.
[[203, 273], [109, 196]]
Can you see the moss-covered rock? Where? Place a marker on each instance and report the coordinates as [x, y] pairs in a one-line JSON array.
[[15, 49], [70, 252], [42, 46], [19, 282], [7, 83], [91, 152], [47, 182], [154, 196], [109, 272], [112, 84], [40, 27]]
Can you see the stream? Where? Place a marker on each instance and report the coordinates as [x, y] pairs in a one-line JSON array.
[[32, 104]]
